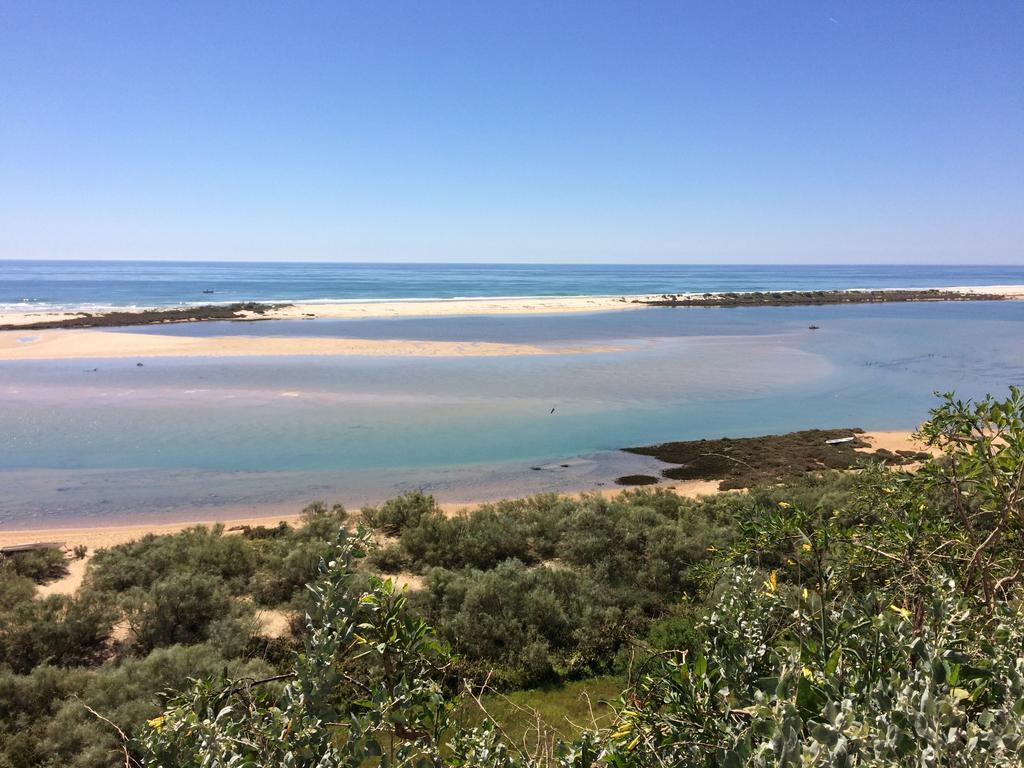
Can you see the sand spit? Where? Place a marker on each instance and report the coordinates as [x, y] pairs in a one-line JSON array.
[[337, 311], [443, 307], [93, 344]]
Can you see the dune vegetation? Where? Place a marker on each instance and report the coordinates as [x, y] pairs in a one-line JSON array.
[[868, 618]]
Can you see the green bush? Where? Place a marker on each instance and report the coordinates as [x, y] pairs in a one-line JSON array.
[[183, 608], [43, 716], [61, 630], [14, 588], [401, 512], [40, 565], [199, 550]]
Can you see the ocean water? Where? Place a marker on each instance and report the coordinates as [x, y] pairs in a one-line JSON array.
[[175, 436], [82, 284]]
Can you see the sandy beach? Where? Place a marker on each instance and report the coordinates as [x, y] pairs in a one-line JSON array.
[[460, 307], [529, 305], [92, 344]]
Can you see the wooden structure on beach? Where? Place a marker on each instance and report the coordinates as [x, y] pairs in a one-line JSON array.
[[14, 549]]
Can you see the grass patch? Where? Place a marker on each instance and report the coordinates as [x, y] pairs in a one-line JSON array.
[[538, 716]]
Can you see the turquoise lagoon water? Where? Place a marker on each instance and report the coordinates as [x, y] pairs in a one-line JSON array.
[[180, 435]]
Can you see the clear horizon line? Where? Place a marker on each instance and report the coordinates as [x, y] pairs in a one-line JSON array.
[[520, 263]]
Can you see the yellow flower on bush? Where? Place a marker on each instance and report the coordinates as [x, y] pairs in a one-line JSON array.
[[156, 723]]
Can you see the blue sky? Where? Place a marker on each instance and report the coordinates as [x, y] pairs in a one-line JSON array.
[[831, 132]]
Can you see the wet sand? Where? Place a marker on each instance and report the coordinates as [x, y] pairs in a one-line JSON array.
[[92, 344]]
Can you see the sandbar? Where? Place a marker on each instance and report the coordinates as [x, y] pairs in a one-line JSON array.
[[528, 305], [94, 344]]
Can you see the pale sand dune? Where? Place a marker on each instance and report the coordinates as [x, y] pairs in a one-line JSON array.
[[892, 441], [460, 307], [88, 343], [70, 583]]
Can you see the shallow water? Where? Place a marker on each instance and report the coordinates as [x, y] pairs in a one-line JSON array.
[[177, 434]]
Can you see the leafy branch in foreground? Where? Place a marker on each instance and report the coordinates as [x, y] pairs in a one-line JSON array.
[[366, 685], [984, 478]]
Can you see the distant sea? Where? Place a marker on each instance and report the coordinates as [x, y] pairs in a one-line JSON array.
[[41, 285]]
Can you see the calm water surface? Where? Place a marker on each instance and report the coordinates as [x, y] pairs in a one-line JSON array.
[[180, 434]]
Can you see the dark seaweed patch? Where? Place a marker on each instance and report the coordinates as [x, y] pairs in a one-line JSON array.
[[747, 462]]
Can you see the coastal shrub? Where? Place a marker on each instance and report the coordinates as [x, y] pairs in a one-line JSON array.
[[320, 521], [391, 558], [395, 515], [633, 556], [199, 550], [40, 565], [433, 542], [284, 569], [286, 558], [43, 716], [478, 539], [676, 632], [584, 532], [58, 629], [759, 691], [489, 617], [180, 608], [14, 588], [365, 664]]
